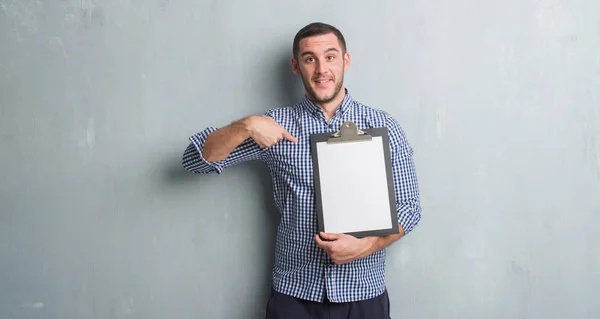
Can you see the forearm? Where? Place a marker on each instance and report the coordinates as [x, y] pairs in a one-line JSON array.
[[377, 243], [220, 143]]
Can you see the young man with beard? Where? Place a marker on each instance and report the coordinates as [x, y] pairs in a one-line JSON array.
[[325, 275]]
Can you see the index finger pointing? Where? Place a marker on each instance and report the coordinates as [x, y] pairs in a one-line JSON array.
[[290, 137]]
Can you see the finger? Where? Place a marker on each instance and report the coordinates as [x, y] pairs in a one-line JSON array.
[[321, 243], [289, 137], [331, 236], [260, 143]]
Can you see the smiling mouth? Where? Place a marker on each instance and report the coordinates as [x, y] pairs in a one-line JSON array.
[[323, 81]]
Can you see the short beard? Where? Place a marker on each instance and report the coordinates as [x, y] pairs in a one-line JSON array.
[[313, 96]]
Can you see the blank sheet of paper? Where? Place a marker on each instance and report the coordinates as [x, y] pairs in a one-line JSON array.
[[354, 187]]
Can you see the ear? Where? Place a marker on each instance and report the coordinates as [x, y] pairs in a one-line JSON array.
[[295, 67], [346, 61]]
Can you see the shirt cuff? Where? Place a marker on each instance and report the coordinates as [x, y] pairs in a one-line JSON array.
[[408, 217], [193, 159]]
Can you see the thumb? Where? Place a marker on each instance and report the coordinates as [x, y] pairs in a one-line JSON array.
[[330, 236], [289, 137]]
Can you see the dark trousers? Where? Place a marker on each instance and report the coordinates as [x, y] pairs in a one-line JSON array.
[[282, 306]]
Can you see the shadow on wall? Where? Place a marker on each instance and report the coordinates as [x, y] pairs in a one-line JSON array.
[[252, 304], [271, 220], [290, 91]]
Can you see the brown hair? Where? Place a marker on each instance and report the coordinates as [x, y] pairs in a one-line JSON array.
[[317, 28]]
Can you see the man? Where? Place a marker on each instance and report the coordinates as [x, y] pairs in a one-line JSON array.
[[315, 275]]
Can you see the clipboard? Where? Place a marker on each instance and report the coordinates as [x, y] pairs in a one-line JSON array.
[[353, 181]]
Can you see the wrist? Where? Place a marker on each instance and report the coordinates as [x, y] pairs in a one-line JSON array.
[[370, 244], [248, 125]]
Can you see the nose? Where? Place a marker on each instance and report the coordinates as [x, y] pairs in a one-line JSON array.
[[321, 68]]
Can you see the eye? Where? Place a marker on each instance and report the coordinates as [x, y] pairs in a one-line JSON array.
[[331, 57], [310, 59]]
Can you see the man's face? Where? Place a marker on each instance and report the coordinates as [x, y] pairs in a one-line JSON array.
[[321, 64]]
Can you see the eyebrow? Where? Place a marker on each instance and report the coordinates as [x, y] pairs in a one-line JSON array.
[[310, 52]]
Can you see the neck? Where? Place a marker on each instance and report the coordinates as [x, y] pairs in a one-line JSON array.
[[329, 108]]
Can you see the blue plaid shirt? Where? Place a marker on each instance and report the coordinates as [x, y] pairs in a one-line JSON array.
[[301, 268]]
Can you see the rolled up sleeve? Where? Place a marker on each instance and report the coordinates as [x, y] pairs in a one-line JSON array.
[[193, 160], [406, 186]]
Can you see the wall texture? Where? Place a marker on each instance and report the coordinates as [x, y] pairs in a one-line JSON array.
[[500, 100]]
